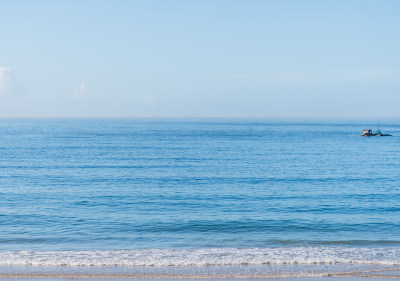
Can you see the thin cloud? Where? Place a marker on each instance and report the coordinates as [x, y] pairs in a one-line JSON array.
[[148, 100], [81, 92], [8, 83], [347, 75]]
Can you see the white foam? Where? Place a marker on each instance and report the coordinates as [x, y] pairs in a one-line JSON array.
[[204, 257]]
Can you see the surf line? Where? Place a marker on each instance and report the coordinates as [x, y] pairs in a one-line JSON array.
[[368, 273]]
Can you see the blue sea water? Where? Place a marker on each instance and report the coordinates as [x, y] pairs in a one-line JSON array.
[[198, 197]]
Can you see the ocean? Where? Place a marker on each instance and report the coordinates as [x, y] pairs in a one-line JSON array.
[[200, 198]]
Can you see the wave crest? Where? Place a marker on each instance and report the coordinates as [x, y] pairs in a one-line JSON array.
[[203, 257]]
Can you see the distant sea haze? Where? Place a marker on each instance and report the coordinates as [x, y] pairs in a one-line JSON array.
[[197, 197]]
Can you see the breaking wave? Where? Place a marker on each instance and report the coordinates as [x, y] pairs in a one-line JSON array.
[[203, 257]]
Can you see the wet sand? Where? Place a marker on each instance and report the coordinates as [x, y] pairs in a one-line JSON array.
[[373, 275], [381, 276]]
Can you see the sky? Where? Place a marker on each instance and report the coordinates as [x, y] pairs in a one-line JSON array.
[[200, 58]]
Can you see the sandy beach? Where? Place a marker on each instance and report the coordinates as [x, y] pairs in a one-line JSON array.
[[378, 277], [355, 276]]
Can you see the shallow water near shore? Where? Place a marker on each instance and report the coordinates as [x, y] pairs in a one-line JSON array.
[[201, 198]]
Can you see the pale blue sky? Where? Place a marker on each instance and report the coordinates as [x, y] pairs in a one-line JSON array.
[[195, 58]]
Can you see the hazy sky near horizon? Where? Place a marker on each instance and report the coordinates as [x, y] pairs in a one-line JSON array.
[[224, 58]]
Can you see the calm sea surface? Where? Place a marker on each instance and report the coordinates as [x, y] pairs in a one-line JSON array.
[[198, 197]]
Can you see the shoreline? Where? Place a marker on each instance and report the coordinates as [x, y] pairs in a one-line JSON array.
[[291, 278], [282, 272], [371, 275]]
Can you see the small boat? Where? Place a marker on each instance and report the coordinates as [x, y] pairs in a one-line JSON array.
[[369, 133]]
